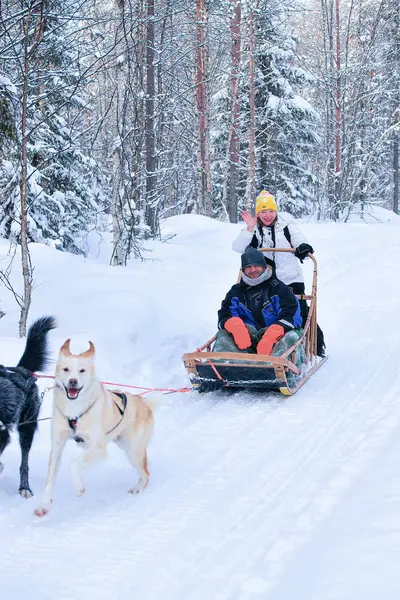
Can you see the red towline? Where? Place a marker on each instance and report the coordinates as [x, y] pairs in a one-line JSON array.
[[136, 387]]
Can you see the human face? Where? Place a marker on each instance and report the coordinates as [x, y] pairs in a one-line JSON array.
[[267, 217], [254, 271]]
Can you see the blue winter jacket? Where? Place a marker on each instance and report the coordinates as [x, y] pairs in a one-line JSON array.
[[261, 305]]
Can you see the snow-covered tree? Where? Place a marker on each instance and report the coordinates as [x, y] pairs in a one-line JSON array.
[[286, 123], [352, 50], [64, 185], [8, 139]]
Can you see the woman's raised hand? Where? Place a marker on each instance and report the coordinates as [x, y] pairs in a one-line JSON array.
[[250, 220]]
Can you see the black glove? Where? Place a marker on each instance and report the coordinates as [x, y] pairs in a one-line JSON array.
[[302, 250]]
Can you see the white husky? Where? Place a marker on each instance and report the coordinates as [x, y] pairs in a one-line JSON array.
[[84, 410]]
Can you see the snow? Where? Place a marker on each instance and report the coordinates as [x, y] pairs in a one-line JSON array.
[[6, 83], [251, 495]]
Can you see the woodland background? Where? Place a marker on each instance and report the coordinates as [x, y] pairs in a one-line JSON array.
[[116, 114]]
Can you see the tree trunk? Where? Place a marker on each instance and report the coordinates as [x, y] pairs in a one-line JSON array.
[[338, 114], [252, 158], [118, 254], [139, 119], [327, 77], [233, 139], [38, 9], [396, 187], [117, 258], [202, 106], [396, 133], [25, 256], [151, 160]]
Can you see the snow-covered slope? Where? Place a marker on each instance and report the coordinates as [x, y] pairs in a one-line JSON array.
[[251, 495]]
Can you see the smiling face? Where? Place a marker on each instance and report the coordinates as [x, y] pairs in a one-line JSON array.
[[74, 372], [267, 217], [254, 271]]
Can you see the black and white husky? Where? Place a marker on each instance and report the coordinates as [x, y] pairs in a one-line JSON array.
[[19, 396]]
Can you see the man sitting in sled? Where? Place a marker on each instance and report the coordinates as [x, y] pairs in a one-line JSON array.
[[258, 311]]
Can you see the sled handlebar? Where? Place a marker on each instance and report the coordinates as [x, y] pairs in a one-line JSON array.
[[277, 249], [292, 250]]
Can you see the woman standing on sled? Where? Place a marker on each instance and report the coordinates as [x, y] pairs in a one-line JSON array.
[[266, 229]]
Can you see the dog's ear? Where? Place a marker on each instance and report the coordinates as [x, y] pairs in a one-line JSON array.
[[89, 353], [65, 348]]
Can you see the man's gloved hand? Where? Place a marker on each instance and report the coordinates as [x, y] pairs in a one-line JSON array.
[[240, 333], [269, 339], [302, 250]]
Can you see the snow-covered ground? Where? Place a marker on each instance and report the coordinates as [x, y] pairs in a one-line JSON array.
[[251, 495]]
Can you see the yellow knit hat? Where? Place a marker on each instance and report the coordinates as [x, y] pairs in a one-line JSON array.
[[265, 201]]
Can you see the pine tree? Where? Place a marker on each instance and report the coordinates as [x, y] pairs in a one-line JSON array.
[[286, 123], [8, 139], [63, 184]]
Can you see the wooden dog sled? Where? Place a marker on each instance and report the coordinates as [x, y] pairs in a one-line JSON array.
[[210, 371]]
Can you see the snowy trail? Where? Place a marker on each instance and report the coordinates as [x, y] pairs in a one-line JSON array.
[[248, 492], [264, 496]]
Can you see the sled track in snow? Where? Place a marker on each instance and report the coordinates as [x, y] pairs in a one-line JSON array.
[[267, 537], [271, 533], [258, 515]]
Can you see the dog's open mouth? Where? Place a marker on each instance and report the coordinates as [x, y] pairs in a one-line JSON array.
[[72, 392]]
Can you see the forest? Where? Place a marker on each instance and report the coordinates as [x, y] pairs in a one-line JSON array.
[[117, 114]]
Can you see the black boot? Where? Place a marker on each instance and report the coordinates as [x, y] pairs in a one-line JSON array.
[[320, 342]]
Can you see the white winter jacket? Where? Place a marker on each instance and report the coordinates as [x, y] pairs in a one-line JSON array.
[[288, 267]]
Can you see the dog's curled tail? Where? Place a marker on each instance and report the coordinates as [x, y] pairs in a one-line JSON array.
[[36, 353]]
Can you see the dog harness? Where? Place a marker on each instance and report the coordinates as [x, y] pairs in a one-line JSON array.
[[28, 378], [73, 423], [120, 410], [23, 381]]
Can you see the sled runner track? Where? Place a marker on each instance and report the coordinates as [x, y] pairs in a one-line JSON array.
[[136, 551], [182, 510], [275, 439], [339, 480], [140, 545], [268, 547], [336, 483], [301, 475], [286, 527]]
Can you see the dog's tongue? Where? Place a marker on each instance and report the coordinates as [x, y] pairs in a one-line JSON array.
[[73, 392]]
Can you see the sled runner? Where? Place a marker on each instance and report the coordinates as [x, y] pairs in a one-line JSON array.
[[292, 362]]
